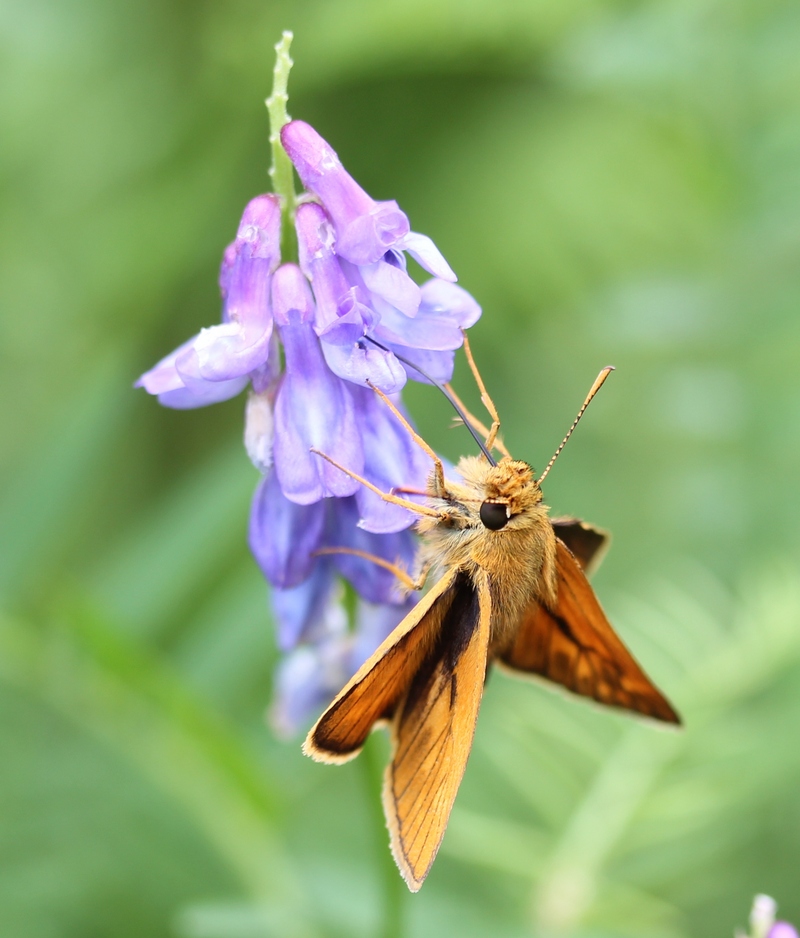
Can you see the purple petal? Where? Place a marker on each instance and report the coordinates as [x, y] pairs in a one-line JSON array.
[[427, 255], [353, 320], [228, 260], [366, 238], [372, 582], [374, 623], [450, 302], [184, 393], [248, 265], [782, 930], [284, 535], [395, 258], [264, 377], [259, 234], [223, 352], [437, 365], [259, 427], [391, 284], [291, 294], [311, 611], [321, 171], [215, 364], [247, 293], [362, 363], [315, 409], [342, 316], [202, 393], [365, 229], [316, 240], [445, 310], [391, 458], [306, 681], [431, 332], [164, 376]]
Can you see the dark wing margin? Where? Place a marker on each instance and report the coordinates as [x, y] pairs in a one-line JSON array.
[[574, 645], [372, 694], [587, 543], [432, 731]]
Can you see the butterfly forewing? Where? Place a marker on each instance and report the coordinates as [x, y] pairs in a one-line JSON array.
[[574, 645], [372, 693], [432, 731]]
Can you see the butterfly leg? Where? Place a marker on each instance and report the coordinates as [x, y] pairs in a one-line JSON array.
[[492, 439], [386, 496], [438, 468], [402, 575]]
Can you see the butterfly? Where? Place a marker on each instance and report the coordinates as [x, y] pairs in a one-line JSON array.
[[511, 590]]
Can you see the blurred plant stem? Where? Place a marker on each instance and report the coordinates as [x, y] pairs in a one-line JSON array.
[[393, 888], [281, 171]]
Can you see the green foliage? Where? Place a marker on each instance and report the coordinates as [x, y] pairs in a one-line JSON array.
[[615, 182]]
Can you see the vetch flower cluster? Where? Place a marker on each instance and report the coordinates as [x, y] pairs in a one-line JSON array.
[[348, 318]]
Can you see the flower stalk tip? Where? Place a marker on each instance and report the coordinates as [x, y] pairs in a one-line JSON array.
[[281, 172]]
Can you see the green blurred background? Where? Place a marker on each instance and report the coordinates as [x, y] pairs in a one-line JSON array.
[[616, 181]]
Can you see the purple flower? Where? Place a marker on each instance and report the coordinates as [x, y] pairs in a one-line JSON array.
[[285, 539], [374, 623], [284, 535], [380, 302], [391, 458], [782, 930], [309, 340], [307, 596], [217, 363], [306, 679], [373, 582], [313, 408], [365, 229], [343, 315], [312, 611], [352, 249]]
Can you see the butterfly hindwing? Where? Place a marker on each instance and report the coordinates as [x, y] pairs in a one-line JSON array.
[[573, 644], [432, 731], [587, 543]]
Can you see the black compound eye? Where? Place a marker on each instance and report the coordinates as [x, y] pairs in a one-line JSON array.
[[494, 516]]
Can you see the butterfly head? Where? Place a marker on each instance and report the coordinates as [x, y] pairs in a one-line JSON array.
[[507, 492]]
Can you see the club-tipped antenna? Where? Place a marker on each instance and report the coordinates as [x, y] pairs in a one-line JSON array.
[[447, 394], [598, 383]]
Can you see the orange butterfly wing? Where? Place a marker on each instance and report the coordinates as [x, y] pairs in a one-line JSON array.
[[575, 646], [427, 677], [432, 732], [373, 692]]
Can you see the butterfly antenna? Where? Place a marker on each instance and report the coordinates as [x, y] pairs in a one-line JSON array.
[[599, 381], [448, 395]]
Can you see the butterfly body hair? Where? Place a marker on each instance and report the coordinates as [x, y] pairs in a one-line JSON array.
[[518, 560]]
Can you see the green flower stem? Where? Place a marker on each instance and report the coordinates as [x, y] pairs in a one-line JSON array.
[[393, 887], [281, 171]]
